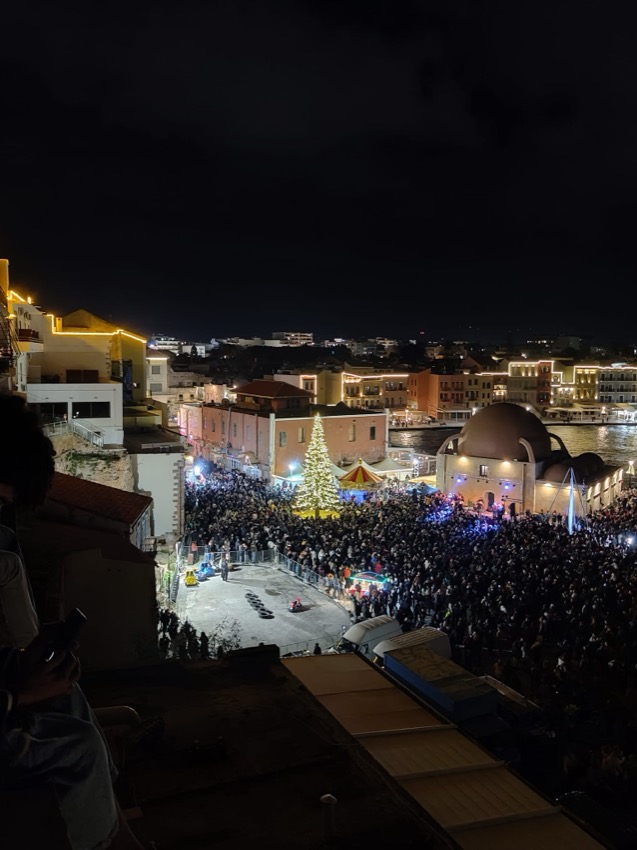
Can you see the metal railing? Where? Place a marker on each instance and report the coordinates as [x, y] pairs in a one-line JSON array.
[[190, 555], [173, 589], [75, 426]]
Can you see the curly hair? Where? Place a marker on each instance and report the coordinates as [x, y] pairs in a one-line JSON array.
[[26, 453]]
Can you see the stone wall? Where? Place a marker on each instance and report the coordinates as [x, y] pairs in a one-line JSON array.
[[75, 456]]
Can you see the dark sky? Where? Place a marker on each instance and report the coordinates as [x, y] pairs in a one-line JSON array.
[[347, 167]]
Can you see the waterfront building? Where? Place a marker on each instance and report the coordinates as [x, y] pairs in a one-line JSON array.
[[449, 397], [360, 387]]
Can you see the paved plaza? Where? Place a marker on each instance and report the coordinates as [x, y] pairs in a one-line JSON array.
[[220, 607]]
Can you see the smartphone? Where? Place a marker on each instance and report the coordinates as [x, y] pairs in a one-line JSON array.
[[67, 633]]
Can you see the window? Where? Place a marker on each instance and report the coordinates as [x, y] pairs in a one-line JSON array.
[[372, 432], [91, 409], [283, 438], [234, 430], [50, 411], [301, 436], [484, 470], [155, 370], [352, 432], [155, 388]]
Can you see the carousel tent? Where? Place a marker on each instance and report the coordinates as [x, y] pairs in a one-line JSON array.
[[364, 464], [360, 477]]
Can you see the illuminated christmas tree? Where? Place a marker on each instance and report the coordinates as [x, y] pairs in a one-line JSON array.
[[317, 494]]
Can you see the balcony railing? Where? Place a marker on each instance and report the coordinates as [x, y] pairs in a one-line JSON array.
[[28, 335]]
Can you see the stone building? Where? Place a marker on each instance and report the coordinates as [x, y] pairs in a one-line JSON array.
[[504, 458]]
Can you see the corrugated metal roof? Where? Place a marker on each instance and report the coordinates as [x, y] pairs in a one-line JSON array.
[[552, 832], [378, 711], [425, 753], [475, 798], [341, 673], [468, 798]]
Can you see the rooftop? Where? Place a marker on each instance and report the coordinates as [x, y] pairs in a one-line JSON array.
[[251, 745], [109, 502], [246, 755]]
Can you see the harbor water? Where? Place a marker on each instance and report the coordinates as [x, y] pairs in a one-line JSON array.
[[616, 444]]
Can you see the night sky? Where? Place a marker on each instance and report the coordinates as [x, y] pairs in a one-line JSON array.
[[346, 167]]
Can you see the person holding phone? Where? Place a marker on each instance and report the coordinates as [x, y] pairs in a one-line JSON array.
[[49, 734]]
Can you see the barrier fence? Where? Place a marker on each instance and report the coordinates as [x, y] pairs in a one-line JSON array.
[[200, 556]]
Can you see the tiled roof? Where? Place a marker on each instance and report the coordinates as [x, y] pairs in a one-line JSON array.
[[109, 502], [273, 389]]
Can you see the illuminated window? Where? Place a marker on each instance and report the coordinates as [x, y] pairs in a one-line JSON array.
[[301, 435], [352, 432]]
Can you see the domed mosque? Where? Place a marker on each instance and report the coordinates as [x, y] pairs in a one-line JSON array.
[[505, 459]]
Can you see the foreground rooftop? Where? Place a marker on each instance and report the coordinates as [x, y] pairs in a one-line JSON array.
[[245, 756], [240, 753]]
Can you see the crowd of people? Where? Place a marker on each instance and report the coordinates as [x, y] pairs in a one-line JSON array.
[[550, 611], [181, 641]]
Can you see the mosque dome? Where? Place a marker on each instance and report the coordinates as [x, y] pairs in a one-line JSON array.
[[495, 432]]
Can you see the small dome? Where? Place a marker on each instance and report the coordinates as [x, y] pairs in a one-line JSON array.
[[586, 467], [495, 432], [591, 462]]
